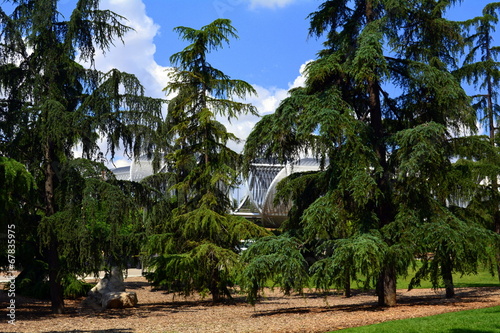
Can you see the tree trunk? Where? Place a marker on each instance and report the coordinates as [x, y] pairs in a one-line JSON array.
[[386, 287], [497, 230], [214, 287], [446, 273], [55, 287], [347, 285]]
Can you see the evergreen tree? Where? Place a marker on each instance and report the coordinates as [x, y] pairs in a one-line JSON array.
[[387, 124], [197, 241], [50, 103], [482, 70]]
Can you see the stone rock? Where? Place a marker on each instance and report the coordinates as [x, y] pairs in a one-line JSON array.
[[109, 292], [110, 283], [119, 300]]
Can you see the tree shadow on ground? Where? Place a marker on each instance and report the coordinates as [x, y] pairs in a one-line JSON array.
[[137, 285], [437, 300], [32, 310], [118, 330]]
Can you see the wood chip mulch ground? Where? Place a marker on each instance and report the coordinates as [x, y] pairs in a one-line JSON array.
[[158, 311]]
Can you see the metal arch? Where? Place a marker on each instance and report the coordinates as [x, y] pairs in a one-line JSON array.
[[137, 170], [260, 179], [260, 185], [275, 214]]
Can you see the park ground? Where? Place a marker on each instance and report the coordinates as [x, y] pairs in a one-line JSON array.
[[158, 311]]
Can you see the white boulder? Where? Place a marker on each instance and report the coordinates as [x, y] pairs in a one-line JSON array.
[[110, 292]]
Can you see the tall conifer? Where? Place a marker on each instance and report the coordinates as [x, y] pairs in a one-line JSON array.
[[482, 70], [381, 105], [197, 242], [50, 103]]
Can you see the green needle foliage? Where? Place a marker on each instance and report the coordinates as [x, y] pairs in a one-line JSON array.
[[277, 260], [17, 189], [482, 70], [195, 244], [17, 195], [382, 107], [49, 104]]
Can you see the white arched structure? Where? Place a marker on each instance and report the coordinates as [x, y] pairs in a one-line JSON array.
[[260, 188], [261, 185], [137, 171]]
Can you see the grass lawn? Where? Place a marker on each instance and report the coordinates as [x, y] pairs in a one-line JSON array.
[[482, 279], [475, 321], [480, 321]]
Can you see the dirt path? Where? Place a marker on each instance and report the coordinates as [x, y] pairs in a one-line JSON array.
[[161, 312]]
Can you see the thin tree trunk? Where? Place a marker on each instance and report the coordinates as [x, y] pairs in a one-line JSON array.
[[55, 287], [214, 287], [216, 298], [497, 230], [446, 273], [347, 285]]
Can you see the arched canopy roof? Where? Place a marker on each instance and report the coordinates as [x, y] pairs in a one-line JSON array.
[[260, 186]]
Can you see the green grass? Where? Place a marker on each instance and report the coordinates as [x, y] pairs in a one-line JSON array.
[[482, 279], [475, 321]]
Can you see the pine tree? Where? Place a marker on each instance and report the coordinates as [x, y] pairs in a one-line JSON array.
[[197, 241], [50, 103], [387, 124], [484, 75]]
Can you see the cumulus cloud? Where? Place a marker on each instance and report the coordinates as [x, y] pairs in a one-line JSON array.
[[266, 101], [136, 56]]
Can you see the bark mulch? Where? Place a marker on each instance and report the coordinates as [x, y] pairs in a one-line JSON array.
[[158, 311]]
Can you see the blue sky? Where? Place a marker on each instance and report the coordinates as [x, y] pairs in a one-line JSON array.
[[272, 48], [273, 41]]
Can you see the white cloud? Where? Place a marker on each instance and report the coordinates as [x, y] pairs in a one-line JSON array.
[[300, 81], [270, 3], [266, 102], [136, 56], [224, 6]]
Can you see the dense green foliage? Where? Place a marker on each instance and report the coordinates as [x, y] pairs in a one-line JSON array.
[[195, 243], [17, 188], [482, 70], [276, 259], [49, 104], [403, 174], [389, 129]]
